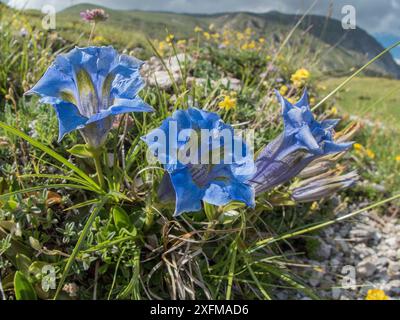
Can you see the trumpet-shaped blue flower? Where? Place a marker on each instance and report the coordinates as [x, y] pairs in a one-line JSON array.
[[203, 159], [304, 139], [87, 87], [322, 186]]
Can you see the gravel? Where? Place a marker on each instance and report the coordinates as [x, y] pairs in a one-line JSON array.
[[353, 257]]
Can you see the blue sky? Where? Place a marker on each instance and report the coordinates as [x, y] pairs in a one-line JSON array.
[[380, 18]]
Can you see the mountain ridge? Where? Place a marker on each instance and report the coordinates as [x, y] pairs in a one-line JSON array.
[[345, 50], [357, 45]]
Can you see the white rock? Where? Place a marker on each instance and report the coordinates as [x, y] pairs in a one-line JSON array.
[[366, 268]]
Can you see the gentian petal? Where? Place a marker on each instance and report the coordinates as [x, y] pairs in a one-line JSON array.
[[188, 195], [329, 123], [57, 83], [166, 192], [303, 102], [221, 192], [122, 106], [306, 138], [69, 118], [332, 147]]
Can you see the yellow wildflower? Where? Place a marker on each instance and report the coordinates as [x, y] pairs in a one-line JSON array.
[[181, 43], [283, 90], [169, 38], [162, 45], [398, 158], [358, 147], [207, 35], [228, 103], [334, 111], [370, 154], [300, 76], [99, 40], [245, 46], [252, 45], [376, 294], [197, 29], [314, 206], [312, 100], [291, 100], [248, 31], [226, 43], [215, 36], [239, 36], [261, 40]]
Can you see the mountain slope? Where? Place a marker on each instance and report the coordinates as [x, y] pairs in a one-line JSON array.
[[342, 49]]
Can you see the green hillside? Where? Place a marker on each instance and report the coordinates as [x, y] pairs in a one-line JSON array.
[[333, 49]]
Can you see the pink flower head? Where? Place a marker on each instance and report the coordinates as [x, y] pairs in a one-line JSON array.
[[94, 15]]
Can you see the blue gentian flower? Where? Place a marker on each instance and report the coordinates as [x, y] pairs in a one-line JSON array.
[[325, 185], [214, 180], [87, 87], [304, 139]]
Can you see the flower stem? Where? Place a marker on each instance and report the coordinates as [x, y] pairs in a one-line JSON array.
[[92, 32], [99, 170]]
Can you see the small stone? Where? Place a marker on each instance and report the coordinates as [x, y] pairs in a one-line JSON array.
[[232, 83], [366, 268], [175, 63], [343, 246], [359, 233], [382, 262], [163, 79], [393, 288], [324, 250], [315, 280], [394, 268], [282, 296], [391, 242], [391, 253]]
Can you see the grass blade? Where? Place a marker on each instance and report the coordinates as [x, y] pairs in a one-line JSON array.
[[49, 186], [50, 152]]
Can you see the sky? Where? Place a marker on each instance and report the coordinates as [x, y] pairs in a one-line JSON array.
[[380, 18]]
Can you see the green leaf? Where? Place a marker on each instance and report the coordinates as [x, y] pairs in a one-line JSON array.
[[81, 151], [23, 263], [35, 244], [36, 267], [228, 217], [23, 288], [210, 211], [121, 218], [233, 205]]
